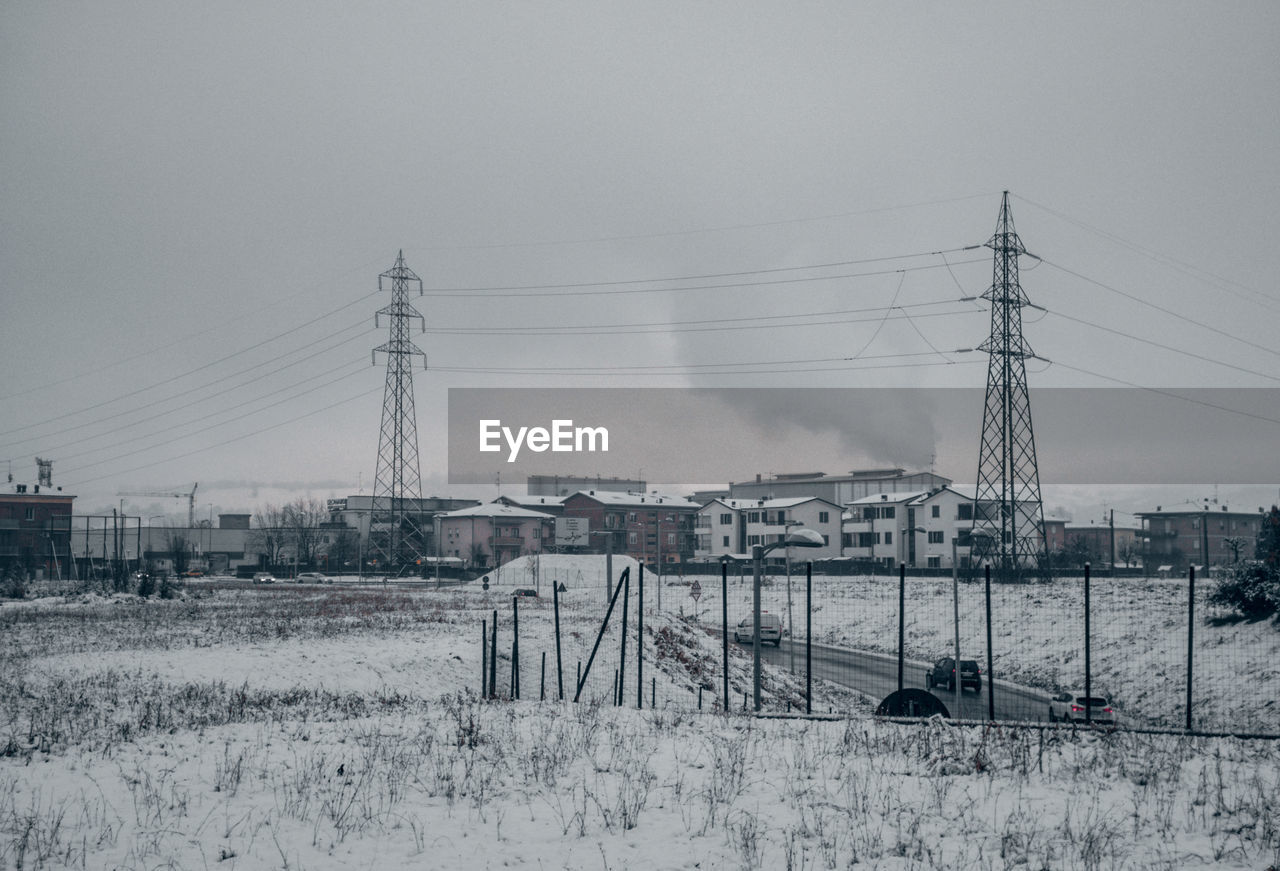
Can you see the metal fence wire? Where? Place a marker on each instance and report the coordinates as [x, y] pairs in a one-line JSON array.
[[1084, 651]]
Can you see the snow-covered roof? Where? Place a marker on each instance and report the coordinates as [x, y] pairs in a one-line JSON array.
[[637, 500], [888, 498], [534, 500], [497, 509], [766, 504]]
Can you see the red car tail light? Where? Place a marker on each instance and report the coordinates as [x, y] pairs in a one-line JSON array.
[[1076, 708]]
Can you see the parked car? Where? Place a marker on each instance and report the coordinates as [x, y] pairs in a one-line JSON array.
[[770, 630], [528, 592], [311, 578], [263, 578], [943, 673], [1072, 707]]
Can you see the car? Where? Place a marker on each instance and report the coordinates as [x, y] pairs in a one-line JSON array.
[[311, 578], [1074, 707], [527, 592], [943, 673], [770, 630], [263, 578]]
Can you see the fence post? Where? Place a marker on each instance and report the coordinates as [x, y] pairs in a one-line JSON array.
[[515, 644], [555, 587], [808, 637], [622, 661], [493, 656], [484, 659], [1191, 636], [902, 619], [582, 675], [724, 629], [991, 675], [542, 679], [640, 636], [1088, 666]]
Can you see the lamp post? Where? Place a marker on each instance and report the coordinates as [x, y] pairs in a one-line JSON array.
[[799, 537]]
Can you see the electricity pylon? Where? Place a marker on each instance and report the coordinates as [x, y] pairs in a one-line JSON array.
[[395, 528], [1008, 516]]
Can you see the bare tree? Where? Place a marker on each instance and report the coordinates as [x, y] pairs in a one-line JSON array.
[[302, 519], [267, 537], [178, 549]]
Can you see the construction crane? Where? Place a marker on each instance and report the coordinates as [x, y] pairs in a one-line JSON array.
[[190, 497]]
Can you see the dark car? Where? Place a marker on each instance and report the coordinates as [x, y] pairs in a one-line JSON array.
[[527, 592], [943, 673]]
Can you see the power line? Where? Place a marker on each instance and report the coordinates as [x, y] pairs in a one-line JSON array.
[[1163, 346], [696, 287], [1188, 269], [288, 388], [700, 276], [183, 340], [697, 231], [232, 440], [1168, 393], [1161, 308], [660, 328], [361, 325], [112, 459]]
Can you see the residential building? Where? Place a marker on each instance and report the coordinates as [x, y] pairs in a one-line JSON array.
[[35, 527], [494, 533], [651, 527], [565, 485], [918, 529], [356, 512], [840, 489], [735, 526], [553, 505], [1197, 536], [1092, 543]]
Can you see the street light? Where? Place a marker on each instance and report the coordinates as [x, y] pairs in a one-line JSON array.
[[798, 537]]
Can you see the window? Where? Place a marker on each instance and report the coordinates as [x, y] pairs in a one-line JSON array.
[[866, 539], [824, 517], [631, 517], [935, 562], [753, 517], [537, 532], [868, 513], [633, 538], [1195, 524], [936, 537], [964, 511], [726, 519], [725, 542], [753, 540], [936, 511], [671, 539], [671, 518], [31, 513], [826, 539], [888, 538], [846, 539], [887, 512]]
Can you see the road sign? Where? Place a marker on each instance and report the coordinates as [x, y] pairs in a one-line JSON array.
[[695, 590]]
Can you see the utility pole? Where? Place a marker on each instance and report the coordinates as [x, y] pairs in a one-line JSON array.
[[1113, 542], [1007, 513], [395, 525]]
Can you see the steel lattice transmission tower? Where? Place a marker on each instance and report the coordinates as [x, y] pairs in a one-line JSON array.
[[395, 528], [1008, 516]]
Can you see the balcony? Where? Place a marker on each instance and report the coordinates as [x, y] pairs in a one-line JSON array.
[[506, 541]]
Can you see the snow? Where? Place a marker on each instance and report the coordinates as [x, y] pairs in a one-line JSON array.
[[332, 728]]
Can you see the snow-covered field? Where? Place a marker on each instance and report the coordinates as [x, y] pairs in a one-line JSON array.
[[330, 727]]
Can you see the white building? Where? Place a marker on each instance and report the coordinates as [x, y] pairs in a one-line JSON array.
[[915, 529], [734, 526]]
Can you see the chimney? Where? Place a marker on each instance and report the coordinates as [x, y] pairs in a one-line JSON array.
[[757, 477]]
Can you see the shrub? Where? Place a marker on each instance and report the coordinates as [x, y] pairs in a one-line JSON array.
[[14, 585], [1252, 589], [146, 585]]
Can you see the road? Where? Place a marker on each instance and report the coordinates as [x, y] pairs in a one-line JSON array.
[[877, 676]]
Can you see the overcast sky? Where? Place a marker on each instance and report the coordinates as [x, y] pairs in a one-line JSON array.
[[196, 201]]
